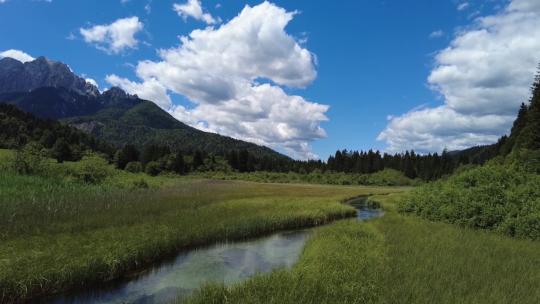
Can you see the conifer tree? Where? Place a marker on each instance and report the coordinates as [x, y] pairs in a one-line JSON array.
[[61, 150], [198, 160], [529, 137], [178, 165]]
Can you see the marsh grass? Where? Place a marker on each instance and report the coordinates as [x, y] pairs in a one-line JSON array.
[[433, 262], [58, 234], [396, 259]]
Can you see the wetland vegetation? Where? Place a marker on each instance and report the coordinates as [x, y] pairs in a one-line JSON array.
[[59, 233]]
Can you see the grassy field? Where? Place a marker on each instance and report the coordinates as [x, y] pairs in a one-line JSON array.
[[58, 234], [397, 259]]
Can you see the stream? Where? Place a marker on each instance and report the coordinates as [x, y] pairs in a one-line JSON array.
[[228, 263]]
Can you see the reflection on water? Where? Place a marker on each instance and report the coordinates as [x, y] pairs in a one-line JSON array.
[[228, 263], [363, 210]]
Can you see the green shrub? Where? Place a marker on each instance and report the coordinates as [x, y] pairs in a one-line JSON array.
[[388, 177], [152, 168], [140, 184], [30, 159], [91, 169], [134, 167], [496, 197]]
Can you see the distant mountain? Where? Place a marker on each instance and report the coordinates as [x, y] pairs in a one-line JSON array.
[[16, 76], [51, 90]]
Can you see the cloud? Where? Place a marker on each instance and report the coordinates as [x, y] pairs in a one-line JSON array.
[[92, 82], [463, 6], [436, 34], [16, 54], [234, 75], [148, 7], [483, 76], [433, 129], [115, 37], [151, 89], [193, 9]]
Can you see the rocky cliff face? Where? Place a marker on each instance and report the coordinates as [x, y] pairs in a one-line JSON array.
[[16, 76]]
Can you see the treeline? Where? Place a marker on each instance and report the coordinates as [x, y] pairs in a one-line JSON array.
[[155, 159], [429, 166]]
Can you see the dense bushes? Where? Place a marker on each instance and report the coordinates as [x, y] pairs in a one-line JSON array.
[[503, 196]]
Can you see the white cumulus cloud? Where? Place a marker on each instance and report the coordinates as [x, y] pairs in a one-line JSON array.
[[115, 37], [193, 8], [234, 76], [151, 89], [16, 54], [483, 75]]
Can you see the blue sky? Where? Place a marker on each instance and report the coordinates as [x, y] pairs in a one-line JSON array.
[[375, 61]]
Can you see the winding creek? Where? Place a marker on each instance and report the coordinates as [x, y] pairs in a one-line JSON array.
[[227, 262]]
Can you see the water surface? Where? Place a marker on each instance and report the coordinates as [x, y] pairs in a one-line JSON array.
[[228, 263]]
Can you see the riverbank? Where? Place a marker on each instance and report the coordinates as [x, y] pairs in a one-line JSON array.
[[397, 258], [60, 236]]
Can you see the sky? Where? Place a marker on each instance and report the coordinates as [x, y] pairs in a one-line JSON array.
[[303, 77]]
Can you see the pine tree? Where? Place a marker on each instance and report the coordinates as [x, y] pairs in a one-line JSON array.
[[126, 155], [61, 150], [529, 137], [232, 159], [517, 128], [243, 159], [178, 165], [198, 160]]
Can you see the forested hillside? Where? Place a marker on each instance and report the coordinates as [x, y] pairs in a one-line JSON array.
[[18, 128]]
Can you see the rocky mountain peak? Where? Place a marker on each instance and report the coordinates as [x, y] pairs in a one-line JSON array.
[[16, 76], [116, 93]]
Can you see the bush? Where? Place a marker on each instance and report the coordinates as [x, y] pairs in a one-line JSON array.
[[140, 184], [30, 159], [91, 169], [152, 168], [388, 177], [496, 197], [134, 167]]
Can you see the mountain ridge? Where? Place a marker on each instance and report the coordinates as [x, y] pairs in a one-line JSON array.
[[113, 115], [16, 76]]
